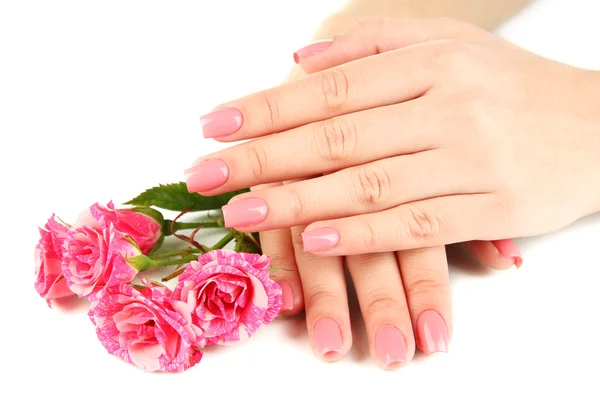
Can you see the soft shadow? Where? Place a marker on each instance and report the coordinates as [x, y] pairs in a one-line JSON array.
[[461, 260], [71, 304], [295, 326], [360, 343]]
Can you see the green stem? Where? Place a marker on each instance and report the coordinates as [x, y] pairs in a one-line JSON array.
[[180, 253], [223, 242], [193, 225], [174, 261]]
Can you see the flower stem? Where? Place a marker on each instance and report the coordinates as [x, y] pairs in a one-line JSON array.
[[180, 253], [223, 242], [178, 226], [174, 261]]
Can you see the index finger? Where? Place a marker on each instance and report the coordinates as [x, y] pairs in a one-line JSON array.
[[371, 82]]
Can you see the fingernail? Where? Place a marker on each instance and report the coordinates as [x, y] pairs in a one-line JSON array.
[[327, 338], [245, 212], [433, 333], [223, 122], [312, 49], [390, 347], [206, 175], [508, 248], [320, 239], [287, 296]]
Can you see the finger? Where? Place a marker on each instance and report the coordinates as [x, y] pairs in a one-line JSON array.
[[426, 223], [427, 286], [383, 305], [357, 190], [496, 254], [326, 302], [387, 79], [373, 36], [325, 146]]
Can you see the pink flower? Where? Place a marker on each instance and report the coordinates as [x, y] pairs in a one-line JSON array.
[[144, 229], [144, 327], [50, 282], [95, 255], [229, 295]]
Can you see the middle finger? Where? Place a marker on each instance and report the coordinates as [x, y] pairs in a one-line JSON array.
[[368, 188]]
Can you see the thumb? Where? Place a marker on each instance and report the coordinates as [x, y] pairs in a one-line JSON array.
[[373, 36]]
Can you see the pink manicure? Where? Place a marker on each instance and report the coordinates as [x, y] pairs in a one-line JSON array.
[[508, 248], [223, 122], [245, 212], [327, 338], [433, 333], [390, 347], [206, 175], [320, 239], [312, 49], [287, 296]]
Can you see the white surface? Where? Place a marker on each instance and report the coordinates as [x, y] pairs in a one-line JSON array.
[[99, 100]]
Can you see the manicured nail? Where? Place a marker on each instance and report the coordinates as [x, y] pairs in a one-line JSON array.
[[390, 347], [508, 248], [327, 338], [320, 239], [312, 49], [287, 296], [245, 212], [433, 333], [223, 122], [206, 175]]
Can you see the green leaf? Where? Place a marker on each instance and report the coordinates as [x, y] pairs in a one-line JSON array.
[[175, 197]]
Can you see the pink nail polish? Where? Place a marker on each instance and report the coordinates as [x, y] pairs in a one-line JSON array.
[[206, 175], [312, 49], [508, 248], [287, 296], [390, 347], [320, 239], [245, 212], [327, 338], [223, 122], [433, 333]]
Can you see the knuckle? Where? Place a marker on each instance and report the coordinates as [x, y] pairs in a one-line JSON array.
[[421, 225], [297, 205], [336, 139], [334, 85], [379, 301], [271, 107], [372, 185], [423, 286], [320, 297], [257, 158], [370, 235], [454, 55]]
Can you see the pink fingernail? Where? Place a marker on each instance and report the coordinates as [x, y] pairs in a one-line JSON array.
[[508, 248], [390, 347], [320, 239], [287, 296], [245, 212], [206, 175], [223, 122], [433, 333], [312, 49], [327, 338]]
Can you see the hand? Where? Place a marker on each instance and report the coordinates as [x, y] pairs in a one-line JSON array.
[[405, 294], [439, 141]]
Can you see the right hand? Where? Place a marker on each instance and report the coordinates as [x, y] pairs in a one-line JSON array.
[[393, 289]]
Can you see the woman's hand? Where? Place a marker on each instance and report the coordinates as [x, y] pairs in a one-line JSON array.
[[457, 135]]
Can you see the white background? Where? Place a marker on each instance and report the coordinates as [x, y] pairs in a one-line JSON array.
[[99, 100]]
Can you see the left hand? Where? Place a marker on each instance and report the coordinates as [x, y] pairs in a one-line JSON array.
[[440, 141]]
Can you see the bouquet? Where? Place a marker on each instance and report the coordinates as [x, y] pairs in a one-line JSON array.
[[221, 296]]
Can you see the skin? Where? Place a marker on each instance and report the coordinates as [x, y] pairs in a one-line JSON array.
[[393, 288]]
